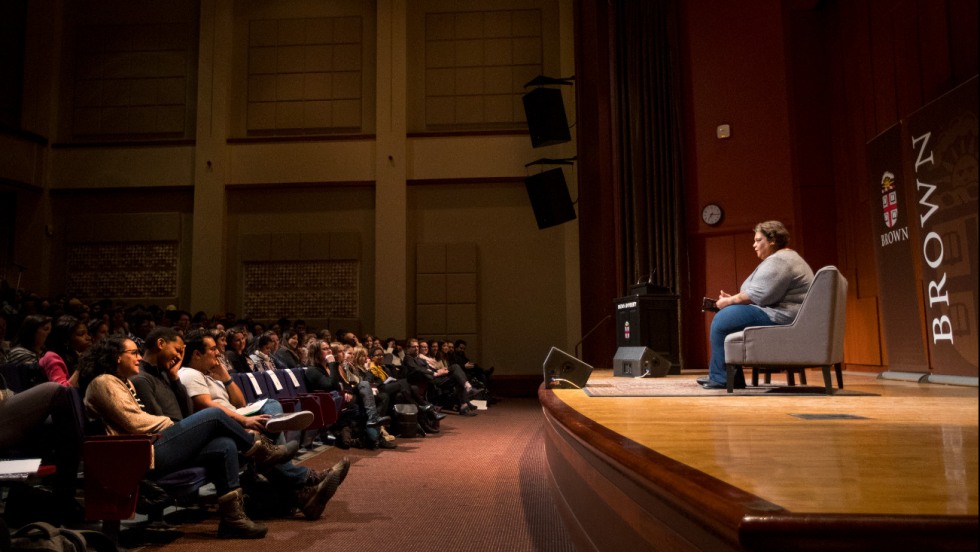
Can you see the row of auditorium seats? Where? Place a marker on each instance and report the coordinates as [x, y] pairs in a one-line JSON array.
[[289, 388], [113, 467]]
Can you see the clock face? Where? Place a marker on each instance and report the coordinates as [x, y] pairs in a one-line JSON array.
[[711, 214]]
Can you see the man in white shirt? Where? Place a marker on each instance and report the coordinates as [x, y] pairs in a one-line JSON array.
[[209, 385]]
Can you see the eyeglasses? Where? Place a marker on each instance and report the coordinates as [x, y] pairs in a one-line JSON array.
[[132, 351]]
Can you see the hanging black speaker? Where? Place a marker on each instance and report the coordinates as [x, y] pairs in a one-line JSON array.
[[549, 198], [546, 121]]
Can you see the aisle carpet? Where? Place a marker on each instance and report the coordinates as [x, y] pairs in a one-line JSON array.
[[480, 484], [687, 387]]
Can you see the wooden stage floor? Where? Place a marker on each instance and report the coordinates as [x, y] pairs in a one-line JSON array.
[[893, 471]]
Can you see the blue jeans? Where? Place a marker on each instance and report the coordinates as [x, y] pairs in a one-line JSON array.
[[731, 319], [287, 473], [209, 438]]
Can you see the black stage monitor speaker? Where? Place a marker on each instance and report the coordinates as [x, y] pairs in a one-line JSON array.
[[546, 121], [639, 362], [549, 198], [563, 371]]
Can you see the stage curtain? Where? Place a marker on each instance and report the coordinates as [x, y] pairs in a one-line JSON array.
[[648, 123]]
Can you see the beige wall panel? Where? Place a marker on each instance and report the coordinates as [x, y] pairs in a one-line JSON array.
[[431, 320], [461, 318], [475, 156], [122, 167], [335, 222], [19, 159], [431, 288], [302, 162], [461, 288], [522, 269], [345, 245], [461, 257], [431, 258]]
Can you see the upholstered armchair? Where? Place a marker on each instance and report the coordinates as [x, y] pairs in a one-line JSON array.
[[814, 339]]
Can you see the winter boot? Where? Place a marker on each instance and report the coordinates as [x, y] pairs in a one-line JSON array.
[[267, 454], [234, 523]]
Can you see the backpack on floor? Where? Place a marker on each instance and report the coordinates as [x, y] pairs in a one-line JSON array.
[[44, 537]]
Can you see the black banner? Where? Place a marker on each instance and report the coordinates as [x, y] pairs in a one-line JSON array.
[[898, 295], [942, 146]]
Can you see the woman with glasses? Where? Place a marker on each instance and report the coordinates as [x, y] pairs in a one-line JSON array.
[[208, 438]]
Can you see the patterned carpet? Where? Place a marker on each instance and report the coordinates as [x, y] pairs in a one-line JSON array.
[[480, 484]]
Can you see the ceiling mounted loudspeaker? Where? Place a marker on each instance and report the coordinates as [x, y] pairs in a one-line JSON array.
[[550, 200], [546, 120], [563, 371]]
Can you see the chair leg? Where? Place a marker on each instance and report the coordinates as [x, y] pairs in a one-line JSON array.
[[755, 377], [112, 529], [840, 376], [735, 376], [791, 377], [802, 376], [732, 370], [826, 379]]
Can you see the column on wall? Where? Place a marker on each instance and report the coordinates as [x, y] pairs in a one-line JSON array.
[[210, 170], [391, 195]]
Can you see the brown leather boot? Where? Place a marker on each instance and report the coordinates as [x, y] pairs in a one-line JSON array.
[[312, 499], [234, 523], [267, 454]]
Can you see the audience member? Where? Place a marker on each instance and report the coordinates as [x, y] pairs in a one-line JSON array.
[[395, 390], [236, 352], [262, 347], [29, 345], [157, 383], [68, 339], [474, 371], [288, 352], [422, 369], [23, 428], [98, 329], [209, 385], [208, 438], [4, 343]]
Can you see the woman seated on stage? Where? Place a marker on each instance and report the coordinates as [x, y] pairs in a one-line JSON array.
[[770, 296]]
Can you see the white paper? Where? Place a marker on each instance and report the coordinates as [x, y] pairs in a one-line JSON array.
[[252, 408], [275, 380], [25, 466], [255, 383]]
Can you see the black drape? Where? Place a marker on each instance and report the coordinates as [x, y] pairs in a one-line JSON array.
[[648, 123]]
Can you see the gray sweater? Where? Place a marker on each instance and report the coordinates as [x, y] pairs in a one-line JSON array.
[[779, 284]]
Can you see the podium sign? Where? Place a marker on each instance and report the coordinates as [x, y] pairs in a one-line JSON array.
[[650, 321]]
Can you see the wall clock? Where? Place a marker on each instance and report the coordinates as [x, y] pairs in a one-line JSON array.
[[711, 214]]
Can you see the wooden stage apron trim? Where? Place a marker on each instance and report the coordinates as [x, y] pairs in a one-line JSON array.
[[619, 494]]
